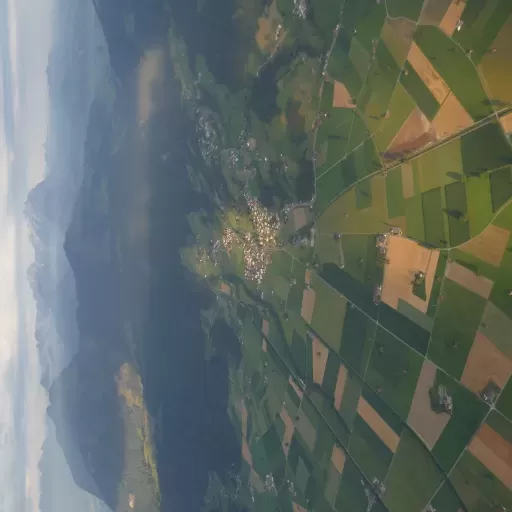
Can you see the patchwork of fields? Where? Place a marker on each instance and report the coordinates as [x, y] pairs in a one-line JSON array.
[[376, 354]]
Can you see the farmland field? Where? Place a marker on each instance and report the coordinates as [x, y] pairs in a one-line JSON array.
[[357, 241]]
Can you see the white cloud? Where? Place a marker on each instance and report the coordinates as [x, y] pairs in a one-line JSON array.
[[23, 400]]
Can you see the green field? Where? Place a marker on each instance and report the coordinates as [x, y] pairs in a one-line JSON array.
[[328, 313], [447, 499], [457, 212], [413, 477], [363, 194], [394, 370], [415, 227], [432, 203], [394, 194], [483, 21], [501, 187], [456, 69], [370, 453], [485, 149], [468, 413], [457, 320], [480, 209], [419, 91], [405, 8], [477, 487], [357, 340], [399, 109]]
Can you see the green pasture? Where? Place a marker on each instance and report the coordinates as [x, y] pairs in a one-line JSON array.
[[456, 322], [468, 414], [480, 209], [501, 187], [413, 477], [370, 453], [394, 193], [405, 8], [363, 194], [419, 92], [365, 17], [456, 69], [447, 499], [394, 370], [485, 149], [496, 68], [328, 313], [436, 286], [399, 109], [477, 486], [482, 23], [357, 340], [327, 249], [440, 166], [504, 404], [432, 203], [457, 212], [415, 227]]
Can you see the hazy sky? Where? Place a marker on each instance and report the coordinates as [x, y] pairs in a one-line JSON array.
[[26, 36]]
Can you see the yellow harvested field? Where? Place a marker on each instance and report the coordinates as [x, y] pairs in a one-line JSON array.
[[461, 275], [452, 16], [428, 424], [397, 34], [407, 181], [489, 246], [342, 98], [426, 71], [256, 481], [299, 218], [338, 458], [308, 304], [340, 387], [288, 430], [265, 328], [451, 118], [270, 32], [506, 122], [495, 453], [414, 134], [295, 387], [385, 433], [243, 419], [246, 452], [307, 277], [485, 362], [320, 355], [406, 258], [433, 11], [225, 288]]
